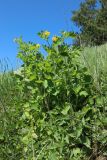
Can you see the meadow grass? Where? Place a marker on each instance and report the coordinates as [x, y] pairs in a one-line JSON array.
[[95, 59]]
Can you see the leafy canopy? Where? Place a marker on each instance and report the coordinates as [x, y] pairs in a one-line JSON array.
[[91, 18]]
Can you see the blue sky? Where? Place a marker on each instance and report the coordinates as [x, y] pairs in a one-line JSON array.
[[27, 17]]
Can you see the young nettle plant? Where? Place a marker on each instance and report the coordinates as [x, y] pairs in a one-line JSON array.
[[58, 103]]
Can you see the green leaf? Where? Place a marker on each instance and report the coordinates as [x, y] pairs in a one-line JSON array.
[[68, 34], [32, 77], [65, 110], [56, 93], [87, 142], [78, 131], [83, 93], [76, 151], [77, 89], [53, 156], [105, 120], [67, 139], [39, 81], [86, 109], [45, 83], [1, 137], [25, 139]]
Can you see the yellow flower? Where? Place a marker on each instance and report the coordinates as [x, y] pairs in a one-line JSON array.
[[54, 39], [46, 33]]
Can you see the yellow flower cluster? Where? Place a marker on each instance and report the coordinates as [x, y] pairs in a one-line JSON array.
[[46, 33], [54, 39]]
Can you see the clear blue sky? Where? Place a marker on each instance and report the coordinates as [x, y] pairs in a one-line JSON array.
[[27, 17]]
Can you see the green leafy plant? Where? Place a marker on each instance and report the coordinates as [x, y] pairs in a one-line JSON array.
[[55, 113]]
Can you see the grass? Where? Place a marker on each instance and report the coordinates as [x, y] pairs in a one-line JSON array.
[[95, 59]]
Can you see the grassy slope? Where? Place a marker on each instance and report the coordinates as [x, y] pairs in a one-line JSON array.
[[95, 59]]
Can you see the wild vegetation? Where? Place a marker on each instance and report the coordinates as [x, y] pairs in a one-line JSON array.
[[54, 107]]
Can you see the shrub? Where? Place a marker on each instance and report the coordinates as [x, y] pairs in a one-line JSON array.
[[56, 115]]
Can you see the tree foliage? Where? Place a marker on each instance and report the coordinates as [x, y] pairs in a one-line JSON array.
[[91, 19]]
